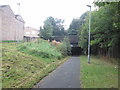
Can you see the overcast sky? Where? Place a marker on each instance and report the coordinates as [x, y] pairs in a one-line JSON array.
[[34, 12]]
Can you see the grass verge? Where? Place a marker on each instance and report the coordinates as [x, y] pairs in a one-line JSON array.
[[98, 74], [0, 66], [22, 70]]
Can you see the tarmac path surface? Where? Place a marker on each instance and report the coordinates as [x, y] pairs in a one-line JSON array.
[[66, 75]]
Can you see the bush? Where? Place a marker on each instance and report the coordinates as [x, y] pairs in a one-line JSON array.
[[65, 47], [67, 42], [62, 48], [40, 48]]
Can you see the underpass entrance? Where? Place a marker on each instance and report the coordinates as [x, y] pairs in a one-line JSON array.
[[76, 51]]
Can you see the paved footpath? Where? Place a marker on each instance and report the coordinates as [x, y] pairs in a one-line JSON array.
[[66, 75]]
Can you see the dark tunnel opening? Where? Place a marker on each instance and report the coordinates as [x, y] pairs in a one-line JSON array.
[[76, 51]]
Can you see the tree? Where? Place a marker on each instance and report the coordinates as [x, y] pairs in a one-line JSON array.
[[74, 26], [105, 30], [65, 47], [67, 42], [58, 27], [47, 31], [83, 32], [52, 27]]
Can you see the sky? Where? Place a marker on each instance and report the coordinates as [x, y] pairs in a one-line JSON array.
[[34, 12]]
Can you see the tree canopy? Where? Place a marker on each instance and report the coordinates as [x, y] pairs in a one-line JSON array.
[[52, 27], [105, 29]]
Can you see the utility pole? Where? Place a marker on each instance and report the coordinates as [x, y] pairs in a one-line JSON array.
[[89, 35], [16, 29], [18, 8]]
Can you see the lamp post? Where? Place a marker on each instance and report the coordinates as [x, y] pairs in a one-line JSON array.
[[18, 8], [18, 30], [89, 35]]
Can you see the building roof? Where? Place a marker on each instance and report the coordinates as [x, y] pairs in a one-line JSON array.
[[2, 6], [18, 17], [31, 32]]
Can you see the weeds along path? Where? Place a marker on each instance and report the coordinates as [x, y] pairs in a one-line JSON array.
[[65, 76], [22, 69]]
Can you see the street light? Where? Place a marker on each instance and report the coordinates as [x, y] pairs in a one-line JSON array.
[[18, 14], [89, 35], [18, 8]]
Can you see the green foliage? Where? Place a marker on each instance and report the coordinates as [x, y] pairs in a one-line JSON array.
[[65, 47], [10, 41], [15, 62], [72, 32], [47, 31], [22, 70], [68, 47], [105, 28], [83, 32], [62, 48], [52, 27], [98, 74], [74, 26], [100, 3], [42, 48], [58, 27]]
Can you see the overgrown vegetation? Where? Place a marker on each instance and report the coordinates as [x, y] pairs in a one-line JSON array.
[[0, 66], [24, 64], [100, 73], [65, 47], [40, 48], [105, 30], [52, 27]]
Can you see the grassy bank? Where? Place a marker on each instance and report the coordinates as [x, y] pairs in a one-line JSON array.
[[41, 48], [23, 65], [98, 74]]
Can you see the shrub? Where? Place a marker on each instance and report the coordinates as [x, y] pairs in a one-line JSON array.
[[62, 48], [67, 42], [40, 48], [65, 47]]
